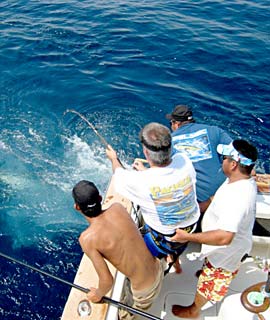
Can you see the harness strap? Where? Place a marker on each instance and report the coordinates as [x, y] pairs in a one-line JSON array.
[[159, 245], [175, 257]]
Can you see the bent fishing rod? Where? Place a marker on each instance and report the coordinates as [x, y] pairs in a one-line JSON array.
[[102, 139], [89, 124], [85, 290]]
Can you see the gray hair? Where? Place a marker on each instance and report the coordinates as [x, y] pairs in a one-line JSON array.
[[156, 138]]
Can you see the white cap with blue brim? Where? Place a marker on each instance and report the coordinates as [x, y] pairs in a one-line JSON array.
[[230, 151]]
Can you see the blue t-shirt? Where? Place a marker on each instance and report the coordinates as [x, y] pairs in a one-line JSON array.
[[199, 142]]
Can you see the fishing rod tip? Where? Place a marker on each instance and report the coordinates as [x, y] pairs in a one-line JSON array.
[[70, 110], [65, 112]]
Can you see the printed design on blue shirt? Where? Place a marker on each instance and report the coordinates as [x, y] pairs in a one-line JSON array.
[[195, 145], [174, 203]]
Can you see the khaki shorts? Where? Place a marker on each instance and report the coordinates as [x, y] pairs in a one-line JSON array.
[[142, 299], [214, 282]]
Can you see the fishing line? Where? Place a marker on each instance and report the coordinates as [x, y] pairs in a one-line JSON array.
[[85, 290]]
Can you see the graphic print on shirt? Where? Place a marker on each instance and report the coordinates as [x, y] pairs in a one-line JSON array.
[[174, 203], [195, 145]]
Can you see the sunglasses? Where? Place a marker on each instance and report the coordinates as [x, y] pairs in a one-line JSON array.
[[226, 157]]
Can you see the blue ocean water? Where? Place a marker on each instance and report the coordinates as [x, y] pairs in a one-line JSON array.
[[121, 64]]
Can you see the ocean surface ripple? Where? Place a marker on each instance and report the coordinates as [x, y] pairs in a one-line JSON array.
[[122, 64]]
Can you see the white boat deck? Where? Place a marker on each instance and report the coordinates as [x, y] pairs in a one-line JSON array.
[[181, 288]]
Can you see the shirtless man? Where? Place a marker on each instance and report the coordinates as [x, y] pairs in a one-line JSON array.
[[112, 235]]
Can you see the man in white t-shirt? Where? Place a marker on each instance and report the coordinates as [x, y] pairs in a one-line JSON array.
[[165, 192], [226, 227]]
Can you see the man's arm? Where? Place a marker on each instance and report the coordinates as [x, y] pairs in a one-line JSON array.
[[111, 154], [213, 237], [104, 275]]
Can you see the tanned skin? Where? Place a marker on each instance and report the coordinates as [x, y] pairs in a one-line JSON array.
[[114, 236]]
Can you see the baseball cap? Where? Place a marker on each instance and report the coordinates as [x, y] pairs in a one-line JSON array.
[[180, 113], [86, 194], [230, 151]]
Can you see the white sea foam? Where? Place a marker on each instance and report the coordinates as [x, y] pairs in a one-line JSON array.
[[35, 135], [3, 146], [86, 161], [14, 181], [38, 197]]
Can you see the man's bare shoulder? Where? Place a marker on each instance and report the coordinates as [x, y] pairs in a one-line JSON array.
[[87, 238], [86, 234], [117, 205]]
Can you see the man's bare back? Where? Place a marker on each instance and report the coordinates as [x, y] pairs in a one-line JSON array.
[[114, 236]]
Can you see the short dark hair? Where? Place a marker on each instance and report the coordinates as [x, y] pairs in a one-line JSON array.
[[247, 150], [86, 196]]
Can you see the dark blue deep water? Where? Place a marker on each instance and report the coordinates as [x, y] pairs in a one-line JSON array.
[[122, 64]]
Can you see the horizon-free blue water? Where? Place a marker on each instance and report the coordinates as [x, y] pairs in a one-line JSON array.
[[122, 64]]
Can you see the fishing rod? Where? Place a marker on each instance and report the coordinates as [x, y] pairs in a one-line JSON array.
[[85, 290], [102, 139]]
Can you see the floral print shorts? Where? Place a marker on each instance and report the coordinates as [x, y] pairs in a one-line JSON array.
[[214, 282]]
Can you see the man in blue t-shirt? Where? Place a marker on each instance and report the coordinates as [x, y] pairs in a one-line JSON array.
[[199, 142]]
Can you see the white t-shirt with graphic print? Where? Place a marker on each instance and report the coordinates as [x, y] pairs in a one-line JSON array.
[[166, 195]]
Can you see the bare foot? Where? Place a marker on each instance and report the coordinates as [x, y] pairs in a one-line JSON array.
[[189, 312]]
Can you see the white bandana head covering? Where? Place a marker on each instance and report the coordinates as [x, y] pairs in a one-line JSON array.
[[230, 151]]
